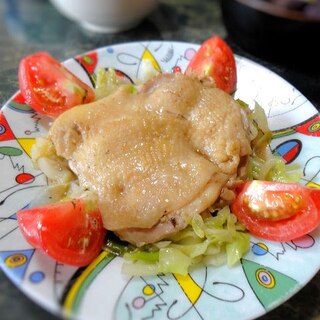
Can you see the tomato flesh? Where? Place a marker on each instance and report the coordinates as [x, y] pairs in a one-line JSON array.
[[215, 59], [68, 232], [50, 88], [277, 211], [270, 203]]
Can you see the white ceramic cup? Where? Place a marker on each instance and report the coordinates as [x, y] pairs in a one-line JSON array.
[[108, 16]]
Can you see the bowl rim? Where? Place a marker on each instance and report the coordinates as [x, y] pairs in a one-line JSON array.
[[276, 10]]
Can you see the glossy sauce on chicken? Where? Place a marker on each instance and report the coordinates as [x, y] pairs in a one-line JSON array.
[[157, 156]]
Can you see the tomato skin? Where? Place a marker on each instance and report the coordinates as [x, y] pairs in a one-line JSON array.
[[215, 59], [306, 219], [50, 88], [66, 231]]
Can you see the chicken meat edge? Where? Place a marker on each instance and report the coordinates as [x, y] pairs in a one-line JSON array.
[[158, 156]]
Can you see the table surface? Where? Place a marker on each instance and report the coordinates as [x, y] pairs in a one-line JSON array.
[[27, 26]]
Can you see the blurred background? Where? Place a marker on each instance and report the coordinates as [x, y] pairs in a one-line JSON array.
[[281, 34], [285, 31]]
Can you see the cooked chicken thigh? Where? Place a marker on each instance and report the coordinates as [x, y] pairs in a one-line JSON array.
[[157, 156]]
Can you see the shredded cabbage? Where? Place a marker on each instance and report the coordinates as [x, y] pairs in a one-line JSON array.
[[210, 241], [264, 165], [273, 168], [108, 82]]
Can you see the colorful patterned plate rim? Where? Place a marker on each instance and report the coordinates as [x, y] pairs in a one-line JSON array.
[[266, 277]]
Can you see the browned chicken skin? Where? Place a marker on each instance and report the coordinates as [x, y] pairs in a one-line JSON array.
[[156, 157]]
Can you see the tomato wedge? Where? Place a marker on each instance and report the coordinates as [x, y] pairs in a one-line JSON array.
[[277, 211], [215, 59], [69, 232], [50, 88]]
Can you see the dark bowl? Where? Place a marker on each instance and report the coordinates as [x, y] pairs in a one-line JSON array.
[[285, 30]]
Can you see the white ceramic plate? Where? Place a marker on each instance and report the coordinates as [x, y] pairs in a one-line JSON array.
[[267, 276]]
